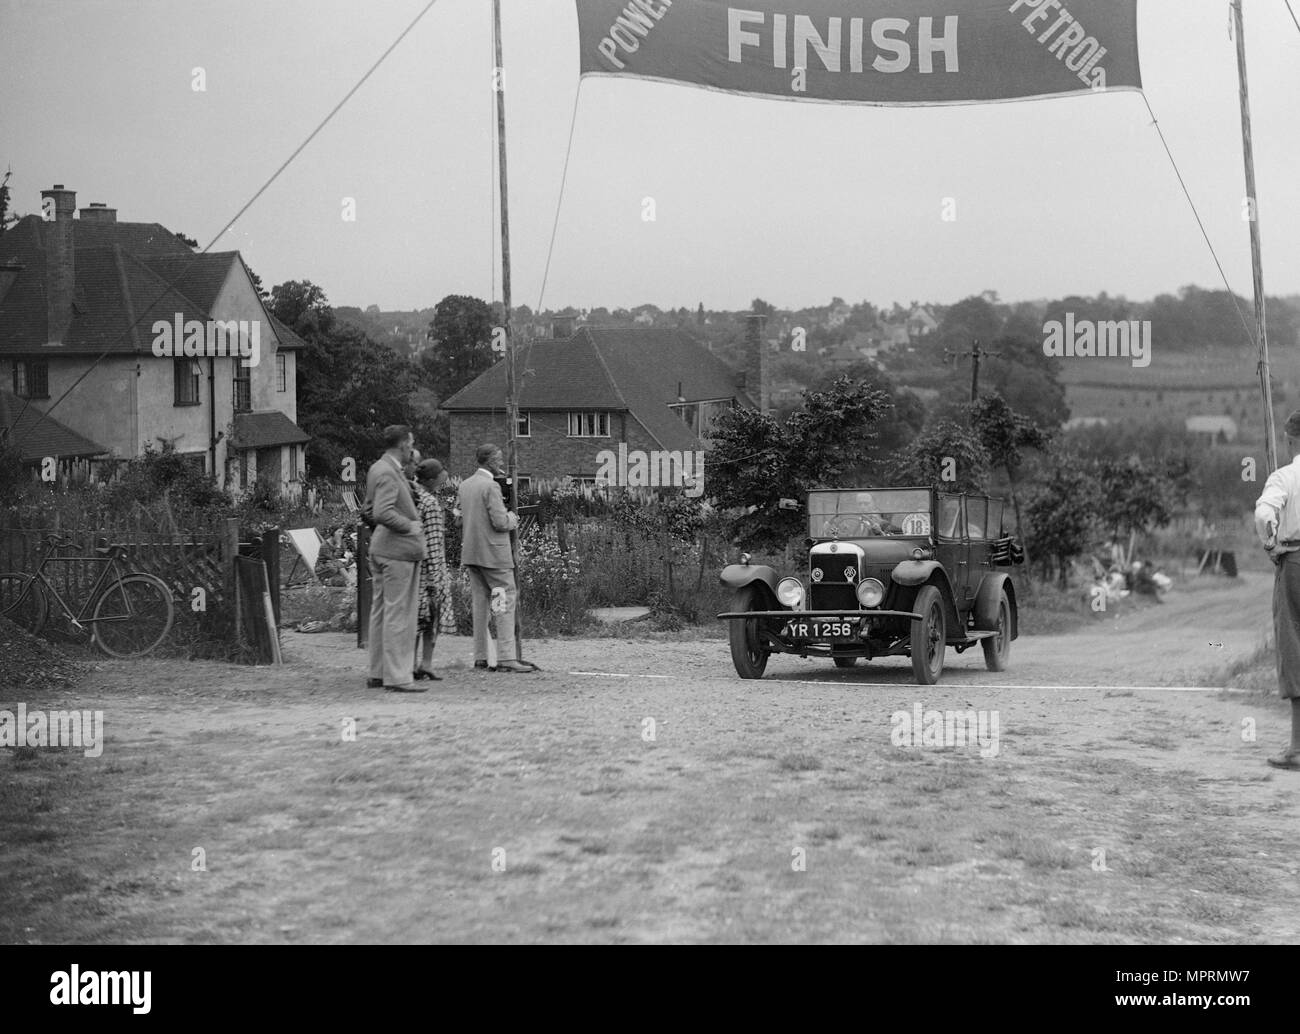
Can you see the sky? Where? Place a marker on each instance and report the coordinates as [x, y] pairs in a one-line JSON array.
[[791, 202]]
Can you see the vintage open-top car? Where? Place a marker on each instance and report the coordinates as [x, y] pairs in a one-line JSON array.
[[891, 571]]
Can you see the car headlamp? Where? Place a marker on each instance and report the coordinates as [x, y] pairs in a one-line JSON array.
[[871, 591], [790, 592]]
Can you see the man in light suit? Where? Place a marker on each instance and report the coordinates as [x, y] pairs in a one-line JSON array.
[[396, 549], [486, 555]]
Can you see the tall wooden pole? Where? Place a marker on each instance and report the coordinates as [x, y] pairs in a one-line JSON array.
[[512, 401], [512, 397], [1256, 252]]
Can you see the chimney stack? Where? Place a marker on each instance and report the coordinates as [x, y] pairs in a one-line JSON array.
[[60, 269], [98, 212], [562, 326]]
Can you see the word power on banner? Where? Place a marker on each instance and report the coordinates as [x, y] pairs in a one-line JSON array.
[[888, 52]]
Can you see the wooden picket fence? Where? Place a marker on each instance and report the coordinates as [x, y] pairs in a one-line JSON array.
[[200, 557]]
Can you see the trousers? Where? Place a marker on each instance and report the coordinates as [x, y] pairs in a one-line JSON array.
[[394, 604], [482, 582]]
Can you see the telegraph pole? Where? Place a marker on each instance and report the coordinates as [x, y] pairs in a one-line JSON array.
[[976, 354], [512, 399], [1256, 249]]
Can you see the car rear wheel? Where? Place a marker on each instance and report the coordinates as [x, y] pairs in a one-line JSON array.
[[747, 652], [997, 649], [928, 636]]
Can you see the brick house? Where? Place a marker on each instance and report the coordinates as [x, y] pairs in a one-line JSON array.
[[592, 390], [83, 299]]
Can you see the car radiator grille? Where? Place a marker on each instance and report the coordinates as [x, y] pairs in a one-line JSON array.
[[833, 597]]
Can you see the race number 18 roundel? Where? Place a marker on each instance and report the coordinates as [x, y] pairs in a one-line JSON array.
[[916, 524]]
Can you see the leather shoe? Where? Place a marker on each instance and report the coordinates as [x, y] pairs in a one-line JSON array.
[[423, 674], [480, 664], [407, 689], [374, 683], [518, 667], [1287, 759]]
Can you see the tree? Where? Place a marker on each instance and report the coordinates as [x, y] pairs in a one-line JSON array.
[[755, 461], [1005, 434], [946, 456], [761, 307], [906, 420], [350, 387], [1063, 513], [461, 332], [1137, 495]]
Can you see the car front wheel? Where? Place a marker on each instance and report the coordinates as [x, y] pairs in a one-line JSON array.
[[928, 636], [747, 651]]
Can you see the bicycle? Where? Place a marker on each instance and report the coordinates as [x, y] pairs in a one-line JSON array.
[[128, 612]]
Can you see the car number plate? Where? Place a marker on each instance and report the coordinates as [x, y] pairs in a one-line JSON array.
[[820, 629]]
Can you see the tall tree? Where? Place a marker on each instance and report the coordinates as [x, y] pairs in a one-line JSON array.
[[945, 455], [461, 335], [755, 461]]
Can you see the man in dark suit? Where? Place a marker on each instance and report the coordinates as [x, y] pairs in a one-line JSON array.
[[396, 549], [487, 557]]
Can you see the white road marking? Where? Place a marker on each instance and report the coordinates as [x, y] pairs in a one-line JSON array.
[[899, 685]]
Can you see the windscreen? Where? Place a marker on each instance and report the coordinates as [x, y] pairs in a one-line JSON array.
[[863, 514]]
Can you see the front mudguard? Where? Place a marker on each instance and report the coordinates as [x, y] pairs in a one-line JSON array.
[[738, 576]]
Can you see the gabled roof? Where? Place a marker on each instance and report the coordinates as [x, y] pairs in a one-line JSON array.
[[39, 436], [127, 276], [631, 370], [259, 430]]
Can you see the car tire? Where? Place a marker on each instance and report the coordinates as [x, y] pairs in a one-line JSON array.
[[749, 657], [997, 649], [928, 636], [845, 662]]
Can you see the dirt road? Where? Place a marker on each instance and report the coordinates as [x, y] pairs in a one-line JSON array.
[[638, 791]]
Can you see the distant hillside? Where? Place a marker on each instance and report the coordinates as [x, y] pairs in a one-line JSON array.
[[404, 332]]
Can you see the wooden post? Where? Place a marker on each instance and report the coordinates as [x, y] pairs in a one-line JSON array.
[[1256, 249], [230, 550], [271, 559], [363, 586], [512, 394]]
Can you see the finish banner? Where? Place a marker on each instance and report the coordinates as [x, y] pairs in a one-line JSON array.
[[886, 52]]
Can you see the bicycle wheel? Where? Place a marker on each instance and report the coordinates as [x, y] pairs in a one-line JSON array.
[[132, 615], [22, 601]]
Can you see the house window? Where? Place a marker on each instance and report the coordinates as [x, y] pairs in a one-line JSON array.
[[282, 377], [243, 469], [243, 388], [32, 379], [589, 424], [293, 463], [525, 483], [186, 374], [525, 429]]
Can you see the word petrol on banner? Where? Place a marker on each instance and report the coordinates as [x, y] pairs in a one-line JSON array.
[[882, 52]]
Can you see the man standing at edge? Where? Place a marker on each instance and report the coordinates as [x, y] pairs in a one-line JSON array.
[[487, 557], [1277, 522], [396, 549]]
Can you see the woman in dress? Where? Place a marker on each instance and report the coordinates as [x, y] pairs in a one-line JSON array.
[[435, 581]]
